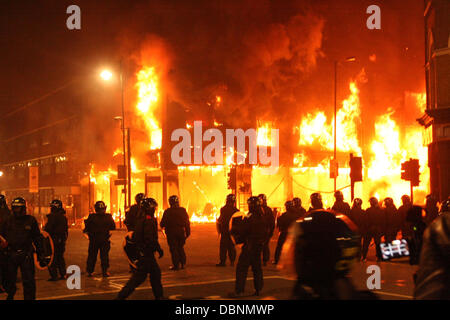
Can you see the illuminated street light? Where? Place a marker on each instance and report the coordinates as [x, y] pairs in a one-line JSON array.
[[1, 173], [106, 75]]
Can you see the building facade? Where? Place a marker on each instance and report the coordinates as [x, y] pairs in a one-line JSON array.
[[437, 118]]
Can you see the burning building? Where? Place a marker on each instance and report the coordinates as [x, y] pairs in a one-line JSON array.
[[264, 66]]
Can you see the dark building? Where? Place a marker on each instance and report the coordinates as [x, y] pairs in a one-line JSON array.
[[437, 118], [57, 135]]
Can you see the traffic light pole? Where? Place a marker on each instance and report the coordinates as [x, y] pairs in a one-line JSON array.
[[412, 193]]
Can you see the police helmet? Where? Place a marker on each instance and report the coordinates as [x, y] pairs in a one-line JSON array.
[[56, 203], [357, 202], [445, 206], [100, 207], [174, 201], [316, 200], [289, 205], [326, 245], [253, 203], [231, 199], [19, 206], [373, 202], [406, 199], [297, 202], [338, 195], [262, 199], [149, 205], [388, 202], [2, 201], [139, 197]]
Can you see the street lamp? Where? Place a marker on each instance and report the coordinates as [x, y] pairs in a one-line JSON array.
[[336, 62], [107, 75]]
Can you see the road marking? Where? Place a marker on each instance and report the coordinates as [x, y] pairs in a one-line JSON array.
[[393, 294], [148, 287]]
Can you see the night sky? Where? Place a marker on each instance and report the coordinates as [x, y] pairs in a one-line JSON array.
[[266, 58]]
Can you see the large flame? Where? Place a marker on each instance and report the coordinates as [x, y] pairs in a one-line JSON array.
[[148, 96], [316, 130]]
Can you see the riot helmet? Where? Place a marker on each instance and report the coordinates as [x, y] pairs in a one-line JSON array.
[[406, 200], [2, 201], [149, 206], [326, 245], [316, 201], [262, 199], [289, 205], [373, 202], [445, 206], [100, 207], [174, 202], [253, 204], [388, 202], [357, 203], [56, 205], [138, 198], [296, 202], [231, 199], [19, 206], [339, 196]]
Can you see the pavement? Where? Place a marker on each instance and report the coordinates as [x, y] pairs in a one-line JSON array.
[[201, 279]]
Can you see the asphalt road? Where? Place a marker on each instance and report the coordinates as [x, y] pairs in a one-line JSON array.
[[201, 279]]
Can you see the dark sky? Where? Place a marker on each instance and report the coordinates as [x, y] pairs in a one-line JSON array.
[[271, 58]]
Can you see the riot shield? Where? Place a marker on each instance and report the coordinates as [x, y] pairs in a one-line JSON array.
[[48, 251]]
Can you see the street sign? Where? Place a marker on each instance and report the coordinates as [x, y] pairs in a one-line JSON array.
[[120, 182], [153, 178], [34, 179]]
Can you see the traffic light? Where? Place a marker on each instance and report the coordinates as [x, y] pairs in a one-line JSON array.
[[232, 178], [415, 174], [410, 171], [406, 174], [355, 168]]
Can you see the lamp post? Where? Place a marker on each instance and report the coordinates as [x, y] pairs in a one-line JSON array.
[[336, 62], [107, 75]]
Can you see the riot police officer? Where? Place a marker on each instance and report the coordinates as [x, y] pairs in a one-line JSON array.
[[145, 237], [20, 232], [267, 214], [375, 226], [297, 207], [4, 215], [431, 209], [223, 227], [402, 213], [417, 226], [133, 213], [254, 234], [392, 224], [58, 229], [324, 248], [433, 275], [340, 205], [98, 227], [176, 222], [316, 202], [283, 223]]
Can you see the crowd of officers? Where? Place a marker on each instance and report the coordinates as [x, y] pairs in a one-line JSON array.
[[20, 238]]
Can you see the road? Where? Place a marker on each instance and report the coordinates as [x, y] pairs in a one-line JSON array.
[[201, 279]]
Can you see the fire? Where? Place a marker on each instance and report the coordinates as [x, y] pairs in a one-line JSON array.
[[148, 96], [264, 135], [315, 130]]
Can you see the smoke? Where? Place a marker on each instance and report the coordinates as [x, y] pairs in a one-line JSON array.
[[254, 56]]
